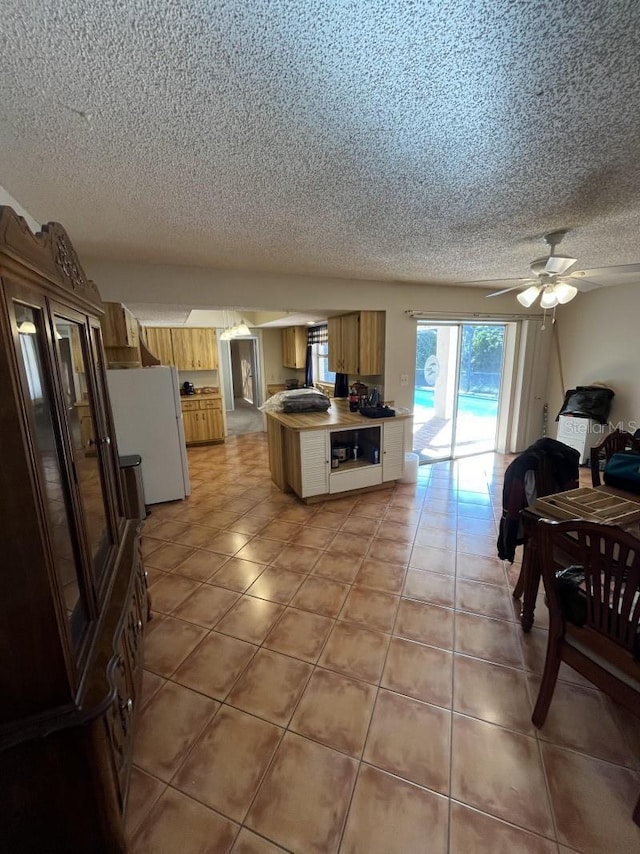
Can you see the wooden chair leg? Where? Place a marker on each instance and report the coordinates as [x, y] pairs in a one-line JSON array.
[[548, 683], [518, 590], [636, 813]]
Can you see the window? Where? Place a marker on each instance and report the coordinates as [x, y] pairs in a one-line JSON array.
[[321, 372]]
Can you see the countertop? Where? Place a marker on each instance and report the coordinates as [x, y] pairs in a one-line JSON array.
[[338, 415], [212, 396]]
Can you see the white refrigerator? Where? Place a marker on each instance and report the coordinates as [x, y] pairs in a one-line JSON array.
[[148, 421]]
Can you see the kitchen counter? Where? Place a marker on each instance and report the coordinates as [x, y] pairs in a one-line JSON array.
[[304, 449], [216, 395], [338, 415]]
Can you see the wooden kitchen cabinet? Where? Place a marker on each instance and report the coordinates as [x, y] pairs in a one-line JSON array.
[[294, 346], [202, 419], [356, 343], [119, 326], [188, 348], [158, 341]]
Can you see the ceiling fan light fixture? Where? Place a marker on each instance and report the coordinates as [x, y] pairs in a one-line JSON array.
[[528, 297], [565, 292], [549, 298]]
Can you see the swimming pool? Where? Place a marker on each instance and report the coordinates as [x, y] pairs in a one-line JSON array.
[[468, 404]]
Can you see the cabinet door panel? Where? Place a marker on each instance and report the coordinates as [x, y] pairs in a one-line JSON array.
[[350, 342], [183, 352], [191, 424], [158, 339], [371, 334], [393, 450], [334, 332], [212, 423], [204, 347], [314, 462]]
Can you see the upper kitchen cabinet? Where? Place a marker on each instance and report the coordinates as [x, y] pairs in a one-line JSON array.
[[356, 343], [187, 347], [119, 326], [294, 346], [158, 341], [194, 349]]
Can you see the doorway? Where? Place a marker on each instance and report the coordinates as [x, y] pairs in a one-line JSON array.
[[457, 389], [243, 388]]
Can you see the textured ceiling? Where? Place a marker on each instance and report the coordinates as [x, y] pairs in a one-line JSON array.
[[394, 140]]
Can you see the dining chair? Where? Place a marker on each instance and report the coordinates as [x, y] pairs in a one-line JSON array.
[[605, 649], [613, 443]]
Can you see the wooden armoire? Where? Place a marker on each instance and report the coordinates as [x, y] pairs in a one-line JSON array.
[[73, 597]]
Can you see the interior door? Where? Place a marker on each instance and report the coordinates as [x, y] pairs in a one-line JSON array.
[[457, 389]]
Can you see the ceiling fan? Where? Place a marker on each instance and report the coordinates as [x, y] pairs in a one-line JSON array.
[[553, 282]]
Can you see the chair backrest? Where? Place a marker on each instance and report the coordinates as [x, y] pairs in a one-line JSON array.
[[610, 558], [612, 443]]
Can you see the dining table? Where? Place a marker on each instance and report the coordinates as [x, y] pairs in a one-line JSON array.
[[619, 507]]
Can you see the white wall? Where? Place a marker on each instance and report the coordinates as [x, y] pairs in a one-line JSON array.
[[7, 199], [599, 341]]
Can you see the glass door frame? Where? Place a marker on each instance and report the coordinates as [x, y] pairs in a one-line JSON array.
[[456, 370]]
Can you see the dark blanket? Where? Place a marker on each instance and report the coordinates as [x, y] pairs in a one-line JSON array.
[[556, 467]]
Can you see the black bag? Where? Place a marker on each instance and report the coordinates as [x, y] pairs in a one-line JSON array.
[[572, 599], [588, 401], [622, 470]]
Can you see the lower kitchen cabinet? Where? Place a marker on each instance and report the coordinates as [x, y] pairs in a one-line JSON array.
[[202, 419]]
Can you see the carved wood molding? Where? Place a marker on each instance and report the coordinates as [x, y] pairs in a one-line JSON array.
[[49, 253]]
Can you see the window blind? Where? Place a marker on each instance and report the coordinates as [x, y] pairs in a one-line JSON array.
[[318, 334]]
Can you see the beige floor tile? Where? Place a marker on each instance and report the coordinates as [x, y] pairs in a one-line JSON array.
[[435, 538], [250, 619], [276, 585], [355, 652], [168, 727], [261, 550], [347, 546], [592, 801], [178, 823], [168, 643], [166, 529], [206, 605], [304, 798], [360, 526], [378, 575], [330, 520], [297, 558], [227, 763], [151, 683], [492, 640], [198, 536], [250, 843], [431, 559], [581, 719], [492, 692], [336, 711], [200, 565], [170, 591], [144, 791], [337, 567], [474, 544], [429, 587], [300, 634], [228, 542], [370, 608], [474, 831], [168, 556], [487, 569], [215, 665], [410, 739], [314, 537], [488, 600], [321, 596], [248, 524], [271, 686], [237, 574], [390, 552], [500, 773], [388, 814], [425, 623], [419, 671], [279, 530]]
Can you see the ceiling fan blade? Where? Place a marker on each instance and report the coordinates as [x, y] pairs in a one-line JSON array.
[[557, 265], [524, 284], [602, 277]]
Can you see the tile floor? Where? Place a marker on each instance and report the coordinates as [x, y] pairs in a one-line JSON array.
[[350, 676]]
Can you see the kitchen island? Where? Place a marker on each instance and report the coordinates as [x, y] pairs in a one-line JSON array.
[[319, 455]]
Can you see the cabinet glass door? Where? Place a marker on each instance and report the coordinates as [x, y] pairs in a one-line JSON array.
[[48, 447], [87, 434]]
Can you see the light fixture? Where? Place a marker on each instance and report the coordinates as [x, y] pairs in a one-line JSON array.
[[528, 297], [243, 329], [565, 292], [549, 298], [57, 333], [27, 327]]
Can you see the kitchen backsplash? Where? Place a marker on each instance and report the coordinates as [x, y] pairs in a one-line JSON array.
[[199, 378]]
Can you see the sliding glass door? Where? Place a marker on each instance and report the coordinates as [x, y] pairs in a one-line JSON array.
[[457, 389]]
